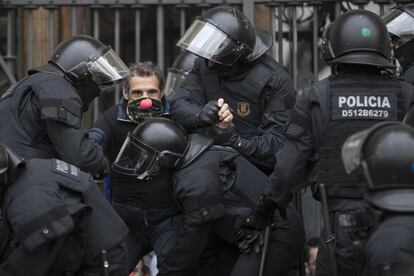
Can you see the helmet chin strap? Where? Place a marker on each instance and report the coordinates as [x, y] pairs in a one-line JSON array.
[[217, 66], [87, 91]]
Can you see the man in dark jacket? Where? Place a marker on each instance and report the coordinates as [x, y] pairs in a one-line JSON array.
[[216, 189], [142, 99], [40, 116], [56, 221], [384, 156], [145, 205], [361, 94], [257, 89]]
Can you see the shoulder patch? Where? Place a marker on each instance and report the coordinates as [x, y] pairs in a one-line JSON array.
[[66, 169]]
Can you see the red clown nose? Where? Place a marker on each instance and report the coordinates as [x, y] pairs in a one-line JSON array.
[[145, 104]]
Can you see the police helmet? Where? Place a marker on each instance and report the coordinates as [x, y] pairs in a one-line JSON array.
[[384, 155], [400, 24], [179, 71], [225, 35], [357, 37], [82, 57], [154, 144]]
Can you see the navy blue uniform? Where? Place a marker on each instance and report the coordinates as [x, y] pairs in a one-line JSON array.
[[217, 189], [261, 95], [60, 222], [326, 113], [40, 117]]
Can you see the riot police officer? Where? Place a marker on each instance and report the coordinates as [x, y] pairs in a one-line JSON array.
[[216, 189], [179, 71], [359, 95], [41, 115], [55, 221], [233, 66], [400, 25], [384, 155]]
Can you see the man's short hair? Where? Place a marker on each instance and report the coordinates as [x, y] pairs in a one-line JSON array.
[[145, 69]]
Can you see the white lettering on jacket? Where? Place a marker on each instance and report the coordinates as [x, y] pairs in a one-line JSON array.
[[364, 101]]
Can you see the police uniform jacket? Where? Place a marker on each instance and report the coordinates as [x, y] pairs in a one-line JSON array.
[[217, 189], [49, 200], [325, 114], [408, 74], [40, 117], [389, 247], [260, 94]]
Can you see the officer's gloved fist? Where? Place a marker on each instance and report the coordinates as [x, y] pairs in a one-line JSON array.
[[262, 215], [209, 115], [248, 239], [226, 137]]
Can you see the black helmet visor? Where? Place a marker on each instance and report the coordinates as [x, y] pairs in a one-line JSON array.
[[108, 68], [135, 158], [208, 41], [400, 25], [139, 159]]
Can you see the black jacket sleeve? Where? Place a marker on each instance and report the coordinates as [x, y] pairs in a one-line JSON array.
[[74, 146], [189, 100], [279, 98], [292, 159]]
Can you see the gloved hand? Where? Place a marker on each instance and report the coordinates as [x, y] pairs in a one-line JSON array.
[[209, 115], [248, 239], [226, 137], [263, 212]]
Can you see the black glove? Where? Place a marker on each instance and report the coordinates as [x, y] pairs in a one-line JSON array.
[[263, 212], [248, 239], [226, 137], [209, 115]]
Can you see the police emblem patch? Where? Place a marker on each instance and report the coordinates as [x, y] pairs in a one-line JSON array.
[[243, 109]]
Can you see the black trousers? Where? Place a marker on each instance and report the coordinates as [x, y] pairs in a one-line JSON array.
[[151, 229], [285, 246], [349, 241]]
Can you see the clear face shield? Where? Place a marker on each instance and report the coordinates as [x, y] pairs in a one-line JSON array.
[[138, 159], [174, 79], [207, 41], [352, 154], [107, 69], [400, 25]]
